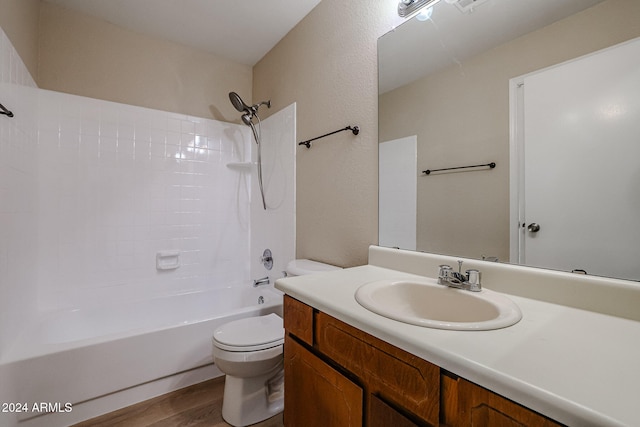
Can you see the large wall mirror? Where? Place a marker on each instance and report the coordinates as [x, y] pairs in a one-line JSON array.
[[450, 93]]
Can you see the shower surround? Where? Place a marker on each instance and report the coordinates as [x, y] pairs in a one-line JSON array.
[[92, 192], [120, 184]]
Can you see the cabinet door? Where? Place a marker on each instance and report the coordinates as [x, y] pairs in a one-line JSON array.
[[479, 407], [382, 415], [316, 395]]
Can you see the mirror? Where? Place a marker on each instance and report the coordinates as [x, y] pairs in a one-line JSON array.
[[444, 102]]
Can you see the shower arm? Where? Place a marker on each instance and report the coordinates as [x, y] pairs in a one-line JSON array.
[[267, 103]]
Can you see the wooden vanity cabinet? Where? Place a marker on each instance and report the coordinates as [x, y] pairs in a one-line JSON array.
[[396, 378], [338, 375]]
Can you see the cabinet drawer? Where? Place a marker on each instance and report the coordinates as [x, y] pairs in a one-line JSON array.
[[399, 377], [298, 319]]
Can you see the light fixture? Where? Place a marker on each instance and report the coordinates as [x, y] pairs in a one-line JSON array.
[[406, 8], [425, 14]]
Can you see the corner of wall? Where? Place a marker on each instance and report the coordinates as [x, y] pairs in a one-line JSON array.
[[20, 22]]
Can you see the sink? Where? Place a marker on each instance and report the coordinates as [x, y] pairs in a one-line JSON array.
[[424, 302]]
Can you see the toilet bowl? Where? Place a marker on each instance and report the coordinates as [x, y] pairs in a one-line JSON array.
[[250, 352]]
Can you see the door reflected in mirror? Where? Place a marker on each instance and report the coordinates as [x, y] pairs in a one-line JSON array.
[[446, 83]]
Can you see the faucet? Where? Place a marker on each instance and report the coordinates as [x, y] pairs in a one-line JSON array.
[[469, 281], [263, 281]]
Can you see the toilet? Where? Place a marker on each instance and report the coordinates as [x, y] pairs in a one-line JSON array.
[[250, 352]]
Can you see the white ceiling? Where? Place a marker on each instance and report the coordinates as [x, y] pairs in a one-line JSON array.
[[243, 31]]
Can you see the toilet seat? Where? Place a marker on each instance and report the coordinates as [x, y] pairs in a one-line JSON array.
[[250, 334]]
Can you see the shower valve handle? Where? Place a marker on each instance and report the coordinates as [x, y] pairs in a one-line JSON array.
[[264, 259], [267, 259]]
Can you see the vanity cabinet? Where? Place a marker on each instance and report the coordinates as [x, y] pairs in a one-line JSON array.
[[338, 375], [399, 380]]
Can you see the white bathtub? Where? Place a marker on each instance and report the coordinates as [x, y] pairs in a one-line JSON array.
[[76, 356]]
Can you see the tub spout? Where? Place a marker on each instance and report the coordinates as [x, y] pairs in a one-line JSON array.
[[263, 281]]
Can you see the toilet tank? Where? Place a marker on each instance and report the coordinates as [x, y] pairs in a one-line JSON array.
[[300, 267]]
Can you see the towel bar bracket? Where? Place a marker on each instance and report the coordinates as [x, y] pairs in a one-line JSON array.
[[4, 111]]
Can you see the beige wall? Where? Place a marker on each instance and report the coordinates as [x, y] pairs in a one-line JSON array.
[[461, 116], [86, 56], [19, 21], [328, 65]]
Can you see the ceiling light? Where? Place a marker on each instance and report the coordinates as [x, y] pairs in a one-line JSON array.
[[406, 8], [425, 13]]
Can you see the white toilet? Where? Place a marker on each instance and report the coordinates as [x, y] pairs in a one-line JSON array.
[[249, 351]]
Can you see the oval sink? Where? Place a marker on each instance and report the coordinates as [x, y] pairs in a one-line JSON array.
[[426, 303]]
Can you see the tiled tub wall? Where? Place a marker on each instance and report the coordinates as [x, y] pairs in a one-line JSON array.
[[91, 190], [118, 184], [18, 190]]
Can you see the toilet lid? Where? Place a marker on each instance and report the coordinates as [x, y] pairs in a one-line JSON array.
[[251, 333], [301, 267]]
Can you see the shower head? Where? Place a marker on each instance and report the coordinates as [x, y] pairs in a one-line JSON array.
[[246, 118], [239, 104]]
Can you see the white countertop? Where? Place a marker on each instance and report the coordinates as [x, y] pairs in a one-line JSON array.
[[578, 367]]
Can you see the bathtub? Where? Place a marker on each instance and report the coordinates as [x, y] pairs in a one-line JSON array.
[[67, 358]]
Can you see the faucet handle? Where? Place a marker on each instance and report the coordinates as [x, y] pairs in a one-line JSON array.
[[444, 270], [473, 278], [444, 273]]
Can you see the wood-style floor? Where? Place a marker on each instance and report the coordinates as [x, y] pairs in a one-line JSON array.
[[197, 406]]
